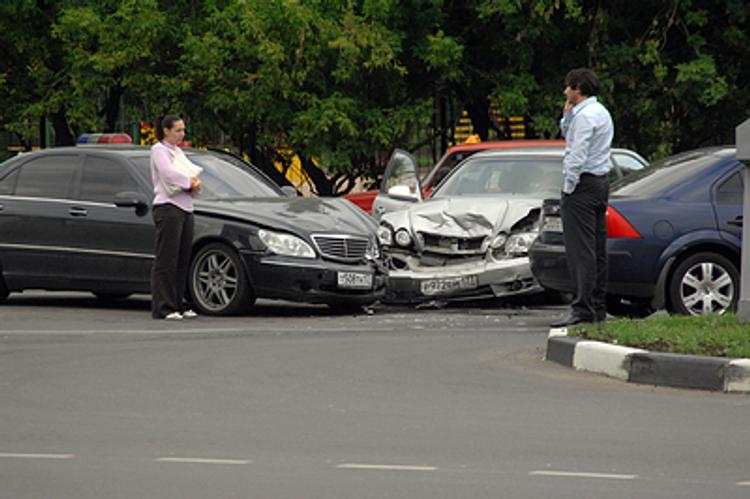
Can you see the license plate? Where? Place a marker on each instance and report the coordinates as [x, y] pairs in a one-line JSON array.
[[354, 280], [552, 224], [448, 284]]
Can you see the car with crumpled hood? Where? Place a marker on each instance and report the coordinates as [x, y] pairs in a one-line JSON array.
[[471, 238]]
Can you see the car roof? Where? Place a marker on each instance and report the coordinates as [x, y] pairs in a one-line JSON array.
[[505, 144]]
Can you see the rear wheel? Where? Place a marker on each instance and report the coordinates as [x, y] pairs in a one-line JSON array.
[[218, 284], [704, 283]]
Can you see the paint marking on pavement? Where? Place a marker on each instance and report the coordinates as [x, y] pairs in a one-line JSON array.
[[201, 460], [743, 484], [384, 467], [571, 474], [19, 455]]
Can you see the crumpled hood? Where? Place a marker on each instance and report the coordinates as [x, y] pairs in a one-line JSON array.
[[297, 215], [463, 216]]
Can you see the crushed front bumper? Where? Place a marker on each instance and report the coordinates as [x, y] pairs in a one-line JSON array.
[[484, 279]]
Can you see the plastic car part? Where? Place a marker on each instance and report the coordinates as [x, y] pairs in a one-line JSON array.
[[619, 227], [4, 292], [704, 283], [218, 284]]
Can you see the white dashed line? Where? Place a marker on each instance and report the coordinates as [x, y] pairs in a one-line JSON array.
[[15, 455], [743, 484], [201, 460], [571, 474], [384, 467]]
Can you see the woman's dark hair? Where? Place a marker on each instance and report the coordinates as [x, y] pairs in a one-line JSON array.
[[583, 79], [167, 121]]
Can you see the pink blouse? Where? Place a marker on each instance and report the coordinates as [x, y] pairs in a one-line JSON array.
[[161, 168]]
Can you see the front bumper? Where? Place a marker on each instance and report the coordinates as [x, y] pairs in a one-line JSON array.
[[485, 279], [310, 281]]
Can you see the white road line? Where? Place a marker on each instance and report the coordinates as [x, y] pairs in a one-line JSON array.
[[16, 455], [201, 460], [743, 484], [384, 467], [571, 474]]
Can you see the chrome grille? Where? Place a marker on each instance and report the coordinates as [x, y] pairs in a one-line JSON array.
[[451, 245], [341, 247]]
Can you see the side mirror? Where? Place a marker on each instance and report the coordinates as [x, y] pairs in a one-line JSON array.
[[403, 193], [289, 191], [129, 199]]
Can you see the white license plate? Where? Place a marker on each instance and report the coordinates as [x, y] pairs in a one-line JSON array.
[[552, 224], [448, 284], [354, 280]]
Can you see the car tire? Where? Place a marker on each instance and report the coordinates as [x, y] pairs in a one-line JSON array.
[[621, 307], [4, 292], [704, 283], [218, 284]]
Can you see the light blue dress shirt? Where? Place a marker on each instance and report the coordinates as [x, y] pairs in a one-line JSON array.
[[588, 132]]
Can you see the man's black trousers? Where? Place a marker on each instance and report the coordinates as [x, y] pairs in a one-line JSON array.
[[169, 273], [585, 233]]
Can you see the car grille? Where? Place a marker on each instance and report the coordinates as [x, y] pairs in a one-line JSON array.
[[347, 248], [457, 245]]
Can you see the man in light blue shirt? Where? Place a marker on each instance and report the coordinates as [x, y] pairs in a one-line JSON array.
[[588, 131]]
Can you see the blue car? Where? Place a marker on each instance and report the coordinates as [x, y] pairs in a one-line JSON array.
[[674, 236]]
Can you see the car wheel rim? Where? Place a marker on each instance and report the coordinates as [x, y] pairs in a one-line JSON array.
[[707, 288], [215, 281]]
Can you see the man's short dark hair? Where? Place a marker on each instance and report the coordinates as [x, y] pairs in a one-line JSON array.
[[583, 79]]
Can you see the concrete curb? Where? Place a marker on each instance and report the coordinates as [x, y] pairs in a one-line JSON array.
[[650, 368]]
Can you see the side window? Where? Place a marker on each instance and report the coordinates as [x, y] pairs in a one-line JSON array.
[[103, 178], [8, 182], [731, 190], [47, 177]]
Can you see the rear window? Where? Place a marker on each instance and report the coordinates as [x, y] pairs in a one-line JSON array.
[[663, 174]]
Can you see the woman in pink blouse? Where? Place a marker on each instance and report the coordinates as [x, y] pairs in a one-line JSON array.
[[173, 218]]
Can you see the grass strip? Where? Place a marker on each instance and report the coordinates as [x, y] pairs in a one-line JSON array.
[[712, 335]]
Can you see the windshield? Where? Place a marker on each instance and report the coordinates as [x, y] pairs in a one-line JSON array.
[[538, 177], [662, 174], [220, 178]]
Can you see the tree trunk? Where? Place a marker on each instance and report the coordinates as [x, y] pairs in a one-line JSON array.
[[63, 134], [111, 109]]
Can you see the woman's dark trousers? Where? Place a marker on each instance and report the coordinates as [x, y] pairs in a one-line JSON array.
[[169, 273]]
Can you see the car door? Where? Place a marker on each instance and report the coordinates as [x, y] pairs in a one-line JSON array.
[[400, 186], [34, 204], [727, 200], [111, 246]]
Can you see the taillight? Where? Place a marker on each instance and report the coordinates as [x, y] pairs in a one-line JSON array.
[[618, 227]]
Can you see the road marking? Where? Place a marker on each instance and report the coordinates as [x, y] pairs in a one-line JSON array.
[[571, 474], [743, 484], [201, 460], [384, 467], [15, 455]]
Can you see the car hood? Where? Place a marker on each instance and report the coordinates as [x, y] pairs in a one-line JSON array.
[[463, 216], [298, 215]]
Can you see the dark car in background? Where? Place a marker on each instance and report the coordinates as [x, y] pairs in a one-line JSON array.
[[674, 237], [78, 218]]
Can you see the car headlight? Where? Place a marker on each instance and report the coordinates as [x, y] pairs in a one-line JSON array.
[[519, 244], [403, 238], [498, 241], [373, 251], [385, 235], [285, 244]]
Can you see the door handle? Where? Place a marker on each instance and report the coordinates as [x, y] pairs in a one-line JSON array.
[[737, 221], [78, 212], [2, 207]]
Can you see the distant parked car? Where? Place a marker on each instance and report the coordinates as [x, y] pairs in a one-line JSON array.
[[674, 237], [78, 218], [471, 237], [452, 157]]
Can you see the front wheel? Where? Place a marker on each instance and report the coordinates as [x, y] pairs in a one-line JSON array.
[[705, 283], [218, 284]]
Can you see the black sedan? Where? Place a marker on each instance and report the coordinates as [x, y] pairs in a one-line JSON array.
[[674, 237], [79, 218]]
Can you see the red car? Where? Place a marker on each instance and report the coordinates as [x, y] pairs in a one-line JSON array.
[[450, 159]]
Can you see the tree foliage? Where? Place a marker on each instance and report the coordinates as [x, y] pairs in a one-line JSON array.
[[346, 81]]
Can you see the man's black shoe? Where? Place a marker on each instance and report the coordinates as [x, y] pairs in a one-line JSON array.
[[571, 320]]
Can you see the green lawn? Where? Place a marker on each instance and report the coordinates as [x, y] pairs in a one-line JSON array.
[[715, 335]]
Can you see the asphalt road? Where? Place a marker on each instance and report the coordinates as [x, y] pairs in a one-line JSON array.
[[100, 401]]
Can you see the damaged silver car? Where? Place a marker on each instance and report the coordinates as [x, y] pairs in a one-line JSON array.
[[471, 238]]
